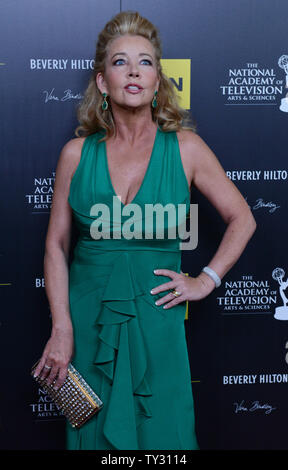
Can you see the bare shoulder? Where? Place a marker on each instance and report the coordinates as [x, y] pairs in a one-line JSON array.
[[191, 143], [209, 177], [70, 155], [73, 145], [187, 136], [195, 153]]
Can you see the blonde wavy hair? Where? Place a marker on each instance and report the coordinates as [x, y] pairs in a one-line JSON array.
[[168, 113]]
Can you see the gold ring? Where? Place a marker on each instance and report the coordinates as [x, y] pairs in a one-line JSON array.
[[174, 292]]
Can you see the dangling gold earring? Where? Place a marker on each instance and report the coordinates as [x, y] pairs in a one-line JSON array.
[[154, 102], [105, 103]]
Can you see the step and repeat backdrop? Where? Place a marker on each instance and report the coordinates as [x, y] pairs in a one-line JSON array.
[[228, 61]]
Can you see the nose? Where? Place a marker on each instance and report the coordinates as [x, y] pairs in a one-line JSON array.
[[134, 74], [133, 70]]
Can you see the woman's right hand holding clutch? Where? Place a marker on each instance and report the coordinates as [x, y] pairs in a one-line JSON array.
[[56, 357]]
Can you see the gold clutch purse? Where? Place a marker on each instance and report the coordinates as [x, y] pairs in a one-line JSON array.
[[76, 399]]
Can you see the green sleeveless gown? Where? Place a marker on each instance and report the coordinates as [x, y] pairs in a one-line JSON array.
[[132, 352]]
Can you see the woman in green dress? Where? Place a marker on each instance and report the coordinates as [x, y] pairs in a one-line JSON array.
[[118, 310]]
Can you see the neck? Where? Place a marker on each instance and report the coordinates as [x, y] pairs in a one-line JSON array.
[[133, 124]]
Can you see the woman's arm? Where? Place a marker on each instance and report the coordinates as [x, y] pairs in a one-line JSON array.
[[203, 169], [59, 348], [211, 180]]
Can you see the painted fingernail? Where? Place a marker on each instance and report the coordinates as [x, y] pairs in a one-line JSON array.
[[155, 271], [152, 291], [157, 302]]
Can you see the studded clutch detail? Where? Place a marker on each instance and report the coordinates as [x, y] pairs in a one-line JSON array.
[[76, 399]]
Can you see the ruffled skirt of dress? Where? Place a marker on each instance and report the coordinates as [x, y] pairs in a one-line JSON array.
[[131, 352]]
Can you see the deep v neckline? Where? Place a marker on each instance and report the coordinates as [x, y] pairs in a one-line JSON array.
[[145, 175]]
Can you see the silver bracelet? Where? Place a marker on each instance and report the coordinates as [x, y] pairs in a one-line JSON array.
[[211, 273]]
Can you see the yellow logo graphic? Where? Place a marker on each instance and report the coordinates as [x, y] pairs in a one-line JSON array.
[[179, 72]]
